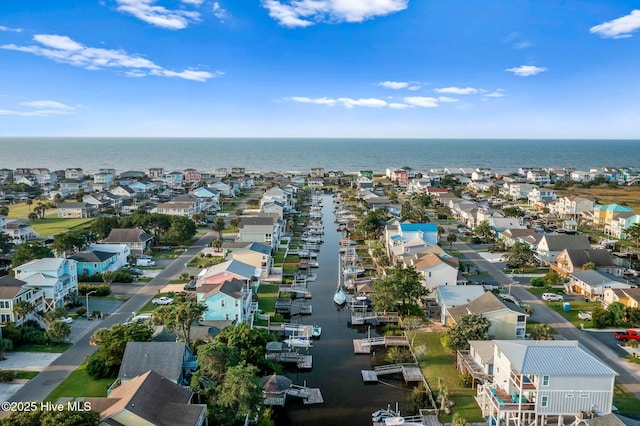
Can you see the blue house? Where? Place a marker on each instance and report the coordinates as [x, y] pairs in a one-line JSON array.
[[174, 179], [230, 301], [428, 232], [56, 277], [91, 262]]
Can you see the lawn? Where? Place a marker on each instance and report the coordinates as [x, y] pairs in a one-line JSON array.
[[54, 349], [624, 401], [22, 210], [54, 225], [205, 262], [79, 384], [572, 315], [26, 375], [440, 362], [267, 294]]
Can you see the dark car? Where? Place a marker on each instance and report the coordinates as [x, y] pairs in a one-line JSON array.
[[165, 248], [191, 286], [135, 271]]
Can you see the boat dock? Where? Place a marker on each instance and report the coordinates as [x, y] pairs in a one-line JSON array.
[[363, 346], [301, 361], [359, 317], [411, 372]]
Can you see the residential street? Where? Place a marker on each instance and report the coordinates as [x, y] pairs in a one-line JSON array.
[[39, 387], [629, 373]]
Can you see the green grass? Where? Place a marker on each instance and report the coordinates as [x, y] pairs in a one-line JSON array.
[[537, 291], [625, 401], [267, 294], [26, 375], [572, 315], [55, 225], [532, 324], [54, 349], [204, 262], [632, 358], [440, 362], [79, 384]]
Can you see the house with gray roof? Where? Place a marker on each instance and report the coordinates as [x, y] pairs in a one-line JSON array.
[[592, 283], [136, 238], [572, 260], [13, 291], [545, 381], [450, 296], [629, 297], [262, 228], [508, 320], [149, 399], [172, 360], [550, 246], [95, 261], [229, 301]]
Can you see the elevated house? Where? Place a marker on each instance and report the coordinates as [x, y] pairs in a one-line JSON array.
[[262, 228], [218, 274], [449, 296], [477, 361], [401, 237], [512, 236], [573, 260], [543, 382], [436, 269], [95, 261], [571, 207], [550, 246], [172, 360], [136, 239], [228, 301], [76, 210], [149, 399], [592, 284], [13, 291], [508, 320], [257, 255], [19, 230], [603, 216], [629, 297], [55, 277], [618, 227]]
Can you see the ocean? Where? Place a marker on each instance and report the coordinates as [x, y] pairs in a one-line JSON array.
[[301, 154]]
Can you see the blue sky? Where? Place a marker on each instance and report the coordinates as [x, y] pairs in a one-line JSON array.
[[320, 68]]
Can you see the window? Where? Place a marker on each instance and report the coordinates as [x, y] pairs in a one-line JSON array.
[[520, 318], [237, 303], [222, 303], [545, 380], [543, 402]]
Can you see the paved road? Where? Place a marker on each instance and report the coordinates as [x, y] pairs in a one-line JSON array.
[[629, 376], [39, 387]]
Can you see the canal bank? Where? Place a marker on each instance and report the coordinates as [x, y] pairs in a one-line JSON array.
[[336, 369]]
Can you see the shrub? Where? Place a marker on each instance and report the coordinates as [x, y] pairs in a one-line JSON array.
[[100, 290], [81, 311], [7, 376], [537, 282], [94, 278]]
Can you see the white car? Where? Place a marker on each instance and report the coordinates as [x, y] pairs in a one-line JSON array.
[[66, 320], [552, 297], [164, 300]]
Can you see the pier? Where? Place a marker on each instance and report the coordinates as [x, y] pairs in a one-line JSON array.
[[359, 317], [363, 346]]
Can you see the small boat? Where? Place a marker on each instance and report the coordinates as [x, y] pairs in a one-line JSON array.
[[317, 331], [298, 342], [339, 298], [352, 270]]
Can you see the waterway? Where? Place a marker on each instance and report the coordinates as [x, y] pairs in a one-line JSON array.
[[336, 369]]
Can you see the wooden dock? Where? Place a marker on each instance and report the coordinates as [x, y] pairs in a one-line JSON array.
[[303, 362], [411, 372], [363, 346], [359, 317]]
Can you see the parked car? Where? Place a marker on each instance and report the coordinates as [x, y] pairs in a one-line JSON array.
[[145, 262], [66, 320], [164, 300], [191, 286], [552, 297], [627, 335], [585, 316], [165, 248]]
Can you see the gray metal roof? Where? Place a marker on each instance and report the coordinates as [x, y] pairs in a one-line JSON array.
[[553, 357], [164, 358]]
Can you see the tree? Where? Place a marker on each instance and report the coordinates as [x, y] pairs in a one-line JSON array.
[[6, 243], [633, 233], [108, 277], [58, 331], [106, 360], [180, 315], [217, 244], [552, 278], [102, 226], [485, 231], [411, 325], [632, 316], [29, 203], [73, 241], [65, 417], [542, 332], [5, 345], [520, 255], [4, 211], [512, 212], [468, 327], [22, 309], [451, 238], [600, 317], [616, 314], [249, 343], [241, 392], [425, 200], [181, 231], [218, 225], [384, 298]]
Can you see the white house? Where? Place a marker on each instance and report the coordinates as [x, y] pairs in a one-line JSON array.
[[550, 246], [436, 269]]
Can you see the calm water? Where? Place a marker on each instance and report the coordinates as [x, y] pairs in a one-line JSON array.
[[349, 155], [336, 369]]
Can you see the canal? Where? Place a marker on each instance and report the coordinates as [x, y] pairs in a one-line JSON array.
[[336, 369]]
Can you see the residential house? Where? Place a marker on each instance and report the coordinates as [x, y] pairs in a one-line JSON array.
[[500, 224], [273, 207], [227, 270], [175, 208], [121, 251], [511, 236], [605, 215], [221, 173], [436, 269], [449, 296], [172, 360], [540, 197], [143, 186], [539, 177], [573, 260], [282, 195], [174, 179], [409, 239], [262, 228], [124, 191], [228, 301], [508, 320], [155, 172], [550, 246], [76, 210], [238, 172], [629, 297], [519, 191], [477, 361], [13, 291], [56, 277], [534, 380], [149, 399], [419, 186], [316, 172], [571, 207], [192, 176], [591, 283], [72, 186], [222, 188], [74, 173], [95, 261], [315, 182], [256, 254], [136, 239], [19, 230], [619, 225]]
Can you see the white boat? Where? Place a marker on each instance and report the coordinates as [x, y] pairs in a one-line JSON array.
[[351, 270], [339, 298], [317, 331], [298, 342]]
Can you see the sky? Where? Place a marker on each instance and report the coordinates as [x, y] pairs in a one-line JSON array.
[[321, 68]]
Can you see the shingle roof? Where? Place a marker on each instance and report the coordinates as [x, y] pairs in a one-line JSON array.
[[594, 278], [92, 256], [600, 257], [488, 302], [165, 358], [257, 221], [232, 288], [10, 287], [553, 357], [564, 241], [127, 235]]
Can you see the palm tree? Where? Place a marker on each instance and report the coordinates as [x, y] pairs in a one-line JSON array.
[[22, 309], [218, 225], [451, 238]]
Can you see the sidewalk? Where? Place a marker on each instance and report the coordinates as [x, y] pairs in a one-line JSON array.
[[27, 361]]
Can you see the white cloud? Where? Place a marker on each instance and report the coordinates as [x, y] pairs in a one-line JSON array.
[[396, 105], [147, 11], [422, 101], [447, 99], [394, 84], [219, 12], [303, 13], [414, 88], [319, 101], [14, 30], [522, 44], [498, 93], [526, 70], [618, 28], [42, 108], [457, 90], [67, 51], [366, 102]]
